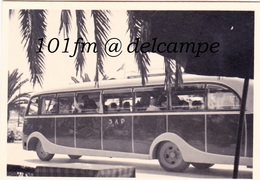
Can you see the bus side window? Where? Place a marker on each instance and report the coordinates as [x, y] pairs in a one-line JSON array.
[[190, 97], [117, 101], [65, 105], [49, 104], [33, 107], [151, 99], [87, 102], [222, 98]]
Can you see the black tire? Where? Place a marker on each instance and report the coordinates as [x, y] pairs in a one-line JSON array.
[[202, 165], [74, 156], [170, 158], [42, 155]]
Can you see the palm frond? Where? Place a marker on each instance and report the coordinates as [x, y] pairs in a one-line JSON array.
[[178, 75], [15, 98], [74, 80], [65, 22], [101, 24], [140, 29], [19, 99], [81, 33], [142, 60], [173, 73], [133, 25], [85, 78], [33, 27], [169, 72], [14, 83]]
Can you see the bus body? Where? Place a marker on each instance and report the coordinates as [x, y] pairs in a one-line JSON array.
[[196, 125]]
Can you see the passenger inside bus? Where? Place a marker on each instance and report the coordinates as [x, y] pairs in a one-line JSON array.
[[197, 104], [143, 103], [126, 107], [152, 106], [163, 102], [89, 105], [54, 106], [113, 107], [65, 106], [175, 100]]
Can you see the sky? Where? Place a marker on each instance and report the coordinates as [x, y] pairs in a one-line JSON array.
[[59, 67]]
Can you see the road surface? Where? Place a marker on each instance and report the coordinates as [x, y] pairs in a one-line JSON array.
[[144, 168]]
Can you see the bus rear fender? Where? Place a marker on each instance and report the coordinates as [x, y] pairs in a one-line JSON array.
[[184, 147]]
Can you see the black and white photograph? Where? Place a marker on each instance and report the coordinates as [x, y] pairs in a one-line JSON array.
[[123, 89]]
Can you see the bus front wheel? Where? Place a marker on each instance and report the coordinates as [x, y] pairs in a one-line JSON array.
[[42, 155], [202, 165], [74, 157], [170, 158]]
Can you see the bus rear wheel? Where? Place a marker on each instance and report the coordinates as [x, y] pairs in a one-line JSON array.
[[170, 158], [202, 165], [42, 155], [74, 157]]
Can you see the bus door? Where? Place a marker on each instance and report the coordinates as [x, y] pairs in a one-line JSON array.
[[88, 120], [38, 119], [65, 129], [46, 122], [151, 105], [188, 117], [117, 120], [222, 120]]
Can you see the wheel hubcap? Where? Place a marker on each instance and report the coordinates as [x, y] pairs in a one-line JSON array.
[[172, 155]]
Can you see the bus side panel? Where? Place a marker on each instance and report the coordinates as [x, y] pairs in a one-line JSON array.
[[43, 125], [65, 131], [117, 133], [222, 134], [249, 120], [191, 128], [88, 132], [146, 129]]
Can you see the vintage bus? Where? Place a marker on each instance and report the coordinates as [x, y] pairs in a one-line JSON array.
[[195, 123]]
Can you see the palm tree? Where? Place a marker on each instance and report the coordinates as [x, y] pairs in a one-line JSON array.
[[141, 29], [84, 78], [33, 27], [15, 98]]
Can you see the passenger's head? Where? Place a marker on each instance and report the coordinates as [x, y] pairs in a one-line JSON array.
[[126, 104], [162, 99], [145, 99], [113, 105], [153, 101]]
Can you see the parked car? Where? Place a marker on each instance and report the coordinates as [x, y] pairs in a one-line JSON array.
[[18, 135], [10, 136]]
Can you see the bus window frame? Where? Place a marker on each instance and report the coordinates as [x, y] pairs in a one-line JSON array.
[[100, 108], [53, 95], [145, 89], [29, 105], [204, 89], [116, 91], [227, 87], [60, 95]]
